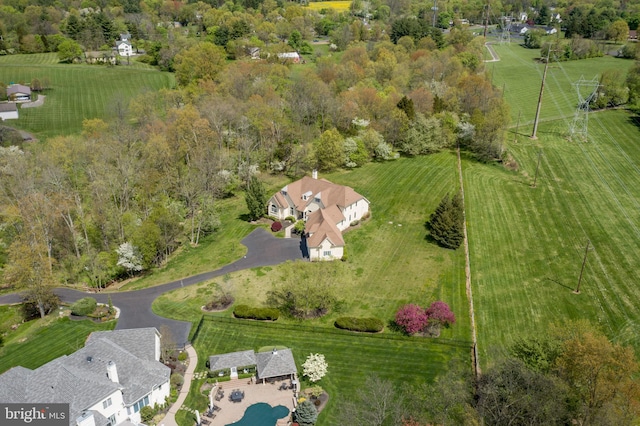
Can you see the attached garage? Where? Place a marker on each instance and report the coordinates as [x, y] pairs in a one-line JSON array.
[[8, 111]]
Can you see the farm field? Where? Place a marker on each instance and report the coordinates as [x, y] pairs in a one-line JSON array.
[[527, 245], [35, 344], [340, 6], [521, 75], [77, 92], [351, 357]]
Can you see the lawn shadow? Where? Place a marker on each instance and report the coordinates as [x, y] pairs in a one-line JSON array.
[[635, 120], [555, 281]]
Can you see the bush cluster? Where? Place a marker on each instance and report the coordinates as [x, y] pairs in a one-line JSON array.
[[276, 226], [368, 325], [222, 301], [247, 312], [83, 307], [355, 223]]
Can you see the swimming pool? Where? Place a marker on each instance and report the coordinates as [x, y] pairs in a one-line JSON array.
[[262, 414]]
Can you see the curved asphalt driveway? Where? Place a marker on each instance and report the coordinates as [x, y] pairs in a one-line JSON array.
[[263, 249]]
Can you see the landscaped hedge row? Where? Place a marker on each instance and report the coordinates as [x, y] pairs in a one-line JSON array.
[[244, 311], [369, 325]]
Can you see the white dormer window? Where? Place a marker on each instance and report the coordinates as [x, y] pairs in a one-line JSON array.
[[307, 195], [317, 200]]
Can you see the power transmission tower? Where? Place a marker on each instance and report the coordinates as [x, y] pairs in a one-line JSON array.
[[587, 90], [505, 36]]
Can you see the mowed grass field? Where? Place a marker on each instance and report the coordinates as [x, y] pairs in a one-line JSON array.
[[351, 357], [34, 343], [340, 6], [77, 92], [527, 245], [520, 74]]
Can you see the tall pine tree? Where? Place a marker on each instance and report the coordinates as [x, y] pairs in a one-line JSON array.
[[446, 223], [256, 198]]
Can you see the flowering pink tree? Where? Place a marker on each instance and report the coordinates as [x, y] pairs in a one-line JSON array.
[[439, 314], [412, 318]]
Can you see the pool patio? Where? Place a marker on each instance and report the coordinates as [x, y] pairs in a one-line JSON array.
[[231, 412]]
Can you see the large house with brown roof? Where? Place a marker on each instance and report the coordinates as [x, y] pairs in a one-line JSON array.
[[327, 208]]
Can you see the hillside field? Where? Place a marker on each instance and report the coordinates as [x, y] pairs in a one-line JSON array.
[[77, 92]]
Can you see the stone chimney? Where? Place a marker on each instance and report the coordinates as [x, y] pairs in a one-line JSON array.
[[112, 372], [314, 174]]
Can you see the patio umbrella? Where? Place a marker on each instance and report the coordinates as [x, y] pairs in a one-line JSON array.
[[197, 418], [211, 398]]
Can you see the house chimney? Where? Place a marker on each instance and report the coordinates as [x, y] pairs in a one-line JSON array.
[[86, 419], [314, 174], [112, 372]]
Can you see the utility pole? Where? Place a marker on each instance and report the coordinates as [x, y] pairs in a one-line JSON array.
[[584, 262], [515, 138], [535, 179], [544, 76]]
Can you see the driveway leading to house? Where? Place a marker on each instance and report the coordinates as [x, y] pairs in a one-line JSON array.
[[263, 249]]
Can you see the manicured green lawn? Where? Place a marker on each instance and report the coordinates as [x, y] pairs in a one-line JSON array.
[[521, 76], [390, 262], [34, 346], [76, 92], [351, 357], [527, 245]]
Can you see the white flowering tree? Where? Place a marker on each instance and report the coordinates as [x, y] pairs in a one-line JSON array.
[[315, 367], [129, 258]]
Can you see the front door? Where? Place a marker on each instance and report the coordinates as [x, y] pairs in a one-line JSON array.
[[234, 372]]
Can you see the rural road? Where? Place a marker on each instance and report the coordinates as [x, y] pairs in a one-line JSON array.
[[263, 249], [492, 52]]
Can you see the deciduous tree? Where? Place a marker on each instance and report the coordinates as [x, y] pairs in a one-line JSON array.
[[315, 367], [412, 318]]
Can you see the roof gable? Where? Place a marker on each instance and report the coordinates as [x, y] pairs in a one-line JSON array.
[[275, 363], [233, 359]]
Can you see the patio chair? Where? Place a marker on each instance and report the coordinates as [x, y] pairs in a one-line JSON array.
[[216, 408]]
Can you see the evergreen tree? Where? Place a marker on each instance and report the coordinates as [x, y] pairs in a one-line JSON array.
[[305, 414], [446, 223], [256, 198], [406, 105]]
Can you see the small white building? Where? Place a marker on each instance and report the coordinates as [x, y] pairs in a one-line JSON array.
[[290, 57], [327, 208], [8, 111]]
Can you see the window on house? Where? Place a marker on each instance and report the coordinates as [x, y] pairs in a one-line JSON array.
[[106, 403], [142, 403], [274, 209], [327, 253], [291, 211], [317, 200], [111, 420]]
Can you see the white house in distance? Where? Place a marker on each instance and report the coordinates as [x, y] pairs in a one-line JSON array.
[[106, 383], [327, 208], [8, 111], [124, 45], [290, 57]]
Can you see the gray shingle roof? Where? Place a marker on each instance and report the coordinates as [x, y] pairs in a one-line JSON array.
[[139, 341], [275, 363], [81, 380], [233, 359], [8, 107], [18, 88]]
